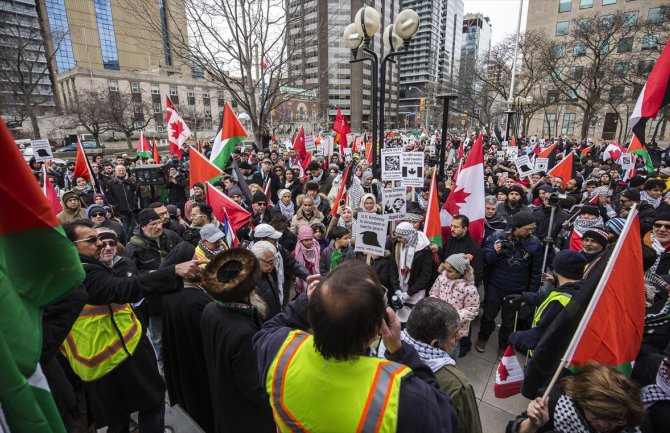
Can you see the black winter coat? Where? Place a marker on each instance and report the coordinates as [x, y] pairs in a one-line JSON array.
[[466, 245], [268, 290], [275, 184], [177, 191], [122, 194], [386, 272]]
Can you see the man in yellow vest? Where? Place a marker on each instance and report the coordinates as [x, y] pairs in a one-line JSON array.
[[569, 269], [107, 346], [324, 382]]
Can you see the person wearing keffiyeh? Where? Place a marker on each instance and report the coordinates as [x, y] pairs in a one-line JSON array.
[[413, 259], [656, 396], [308, 254]]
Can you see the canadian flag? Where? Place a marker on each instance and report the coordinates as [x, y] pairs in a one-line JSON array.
[[613, 151], [467, 195], [509, 376], [178, 131]]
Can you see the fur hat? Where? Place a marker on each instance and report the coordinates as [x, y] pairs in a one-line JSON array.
[[232, 275]]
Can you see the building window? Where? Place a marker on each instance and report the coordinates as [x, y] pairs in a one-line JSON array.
[[657, 15], [585, 4], [625, 45], [196, 72], [137, 107], [609, 2], [607, 21], [603, 47], [549, 123], [134, 87], [564, 5], [576, 72], [160, 127], [113, 85], [155, 89], [579, 49], [139, 125], [559, 51], [190, 93], [583, 24], [173, 90], [645, 66], [621, 68], [208, 111], [157, 108], [630, 18], [205, 94], [552, 96], [573, 95], [103, 16], [58, 24], [562, 28], [616, 93], [167, 55], [568, 126], [650, 42]]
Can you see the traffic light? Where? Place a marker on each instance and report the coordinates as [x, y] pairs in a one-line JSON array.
[[422, 104]]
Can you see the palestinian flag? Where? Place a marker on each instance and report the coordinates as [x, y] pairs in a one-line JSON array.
[[50, 193], [433, 228], [231, 134], [546, 153], [654, 96], [200, 169], [637, 148], [224, 208], [585, 152], [610, 331], [143, 147], [39, 266], [563, 169]]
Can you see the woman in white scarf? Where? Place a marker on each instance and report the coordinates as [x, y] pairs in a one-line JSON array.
[[285, 205], [411, 242]]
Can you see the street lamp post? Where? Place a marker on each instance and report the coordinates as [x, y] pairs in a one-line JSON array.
[[365, 25], [446, 97]]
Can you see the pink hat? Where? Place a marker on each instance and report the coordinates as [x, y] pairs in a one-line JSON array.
[[305, 232]]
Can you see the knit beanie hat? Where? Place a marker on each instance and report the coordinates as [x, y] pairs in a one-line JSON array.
[[569, 264], [522, 219], [146, 216], [94, 208], [589, 209], [404, 229], [517, 188], [631, 194], [234, 190], [615, 225], [305, 233], [459, 262], [636, 181], [597, 235], [283, 192], [259, 196]]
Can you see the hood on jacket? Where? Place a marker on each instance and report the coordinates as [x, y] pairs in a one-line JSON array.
[[67, 196]]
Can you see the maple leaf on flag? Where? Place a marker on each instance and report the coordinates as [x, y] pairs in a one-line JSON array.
[[502, 372], [177, 129], [460, 196]]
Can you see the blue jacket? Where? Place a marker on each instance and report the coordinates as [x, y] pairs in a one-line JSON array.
[[422, 408], [517, 269]]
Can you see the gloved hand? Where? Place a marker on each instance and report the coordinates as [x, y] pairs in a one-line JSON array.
[[403, 296], [514, 299]]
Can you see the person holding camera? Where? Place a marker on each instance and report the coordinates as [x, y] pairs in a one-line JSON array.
[[514, 262]]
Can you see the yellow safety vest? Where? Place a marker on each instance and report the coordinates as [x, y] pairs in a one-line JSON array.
[[311, 394], [94, 346], [561, 297]]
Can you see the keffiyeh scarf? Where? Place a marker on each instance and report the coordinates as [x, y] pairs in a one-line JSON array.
[[582, 225], [659, 391], [309, 258], [644, 196], [433, 357], [287, 210], [568, 419], [83, 189], [416, 241]]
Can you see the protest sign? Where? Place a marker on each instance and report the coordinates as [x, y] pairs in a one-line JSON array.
[[411, 164], [391, 164], [41, 150], [524, 166], [395, 203], [541, 164], [371, 230]]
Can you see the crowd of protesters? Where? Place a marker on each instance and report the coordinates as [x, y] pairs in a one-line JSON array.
[[222, 327]]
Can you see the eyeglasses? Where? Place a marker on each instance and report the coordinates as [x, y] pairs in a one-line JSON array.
[[270, 262], [97, 214], [659, 225], [260, 203], [109, 243], [88, 240]]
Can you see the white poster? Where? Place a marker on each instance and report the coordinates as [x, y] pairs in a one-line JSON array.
[[512, 153], [327, 144], [411, 164], [524, 166], [391, 164], [371, 230], [41, 150], [395, 203], [627, 161], [541, 164], [500, 155], [310, 145]]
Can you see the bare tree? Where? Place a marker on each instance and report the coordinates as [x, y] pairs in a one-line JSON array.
[[24, 69], [91, 112], [194, 118], [239, 44], [127, 115]]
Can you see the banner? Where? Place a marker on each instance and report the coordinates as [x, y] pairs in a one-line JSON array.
[[391, 164], [371, 230], [395, 203], [411, 164]]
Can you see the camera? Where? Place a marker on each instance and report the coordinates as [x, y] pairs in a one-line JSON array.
[[554, 198], [395, 303], [506, 244]]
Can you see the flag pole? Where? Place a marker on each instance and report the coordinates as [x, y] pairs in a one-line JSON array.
[[592, 303]]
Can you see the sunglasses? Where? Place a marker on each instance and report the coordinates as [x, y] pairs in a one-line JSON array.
[[261, 204], [88, 240], [110, 243], [665, 226], [97, 214]]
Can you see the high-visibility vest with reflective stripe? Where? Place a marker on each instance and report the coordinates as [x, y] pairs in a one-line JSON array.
[[311, 394], [94, 346], [561, 297]]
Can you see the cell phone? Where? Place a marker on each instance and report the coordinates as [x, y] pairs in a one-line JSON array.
[[341, 202]]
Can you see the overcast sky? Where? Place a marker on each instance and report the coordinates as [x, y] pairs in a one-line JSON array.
[[503, 15]]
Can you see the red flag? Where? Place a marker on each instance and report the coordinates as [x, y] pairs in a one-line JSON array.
[[201, 170], [237, 215], [586, 150], [341, 126], [342, 192], [50, 193], [175, 150], [299, 144], [157, 157], [512, 142], [433, 228], [613, 151], [467, 195], [611, 329], [563, 169], [654, 95], [548, 151], [82, 167]]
